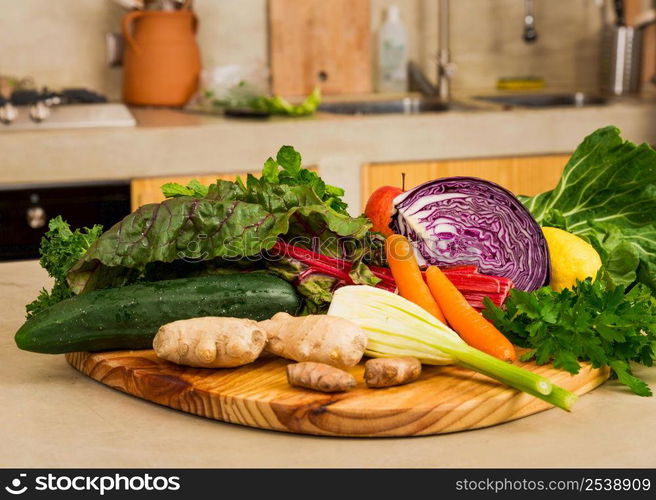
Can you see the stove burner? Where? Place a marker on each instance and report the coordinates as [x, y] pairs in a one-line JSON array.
[[66, 96], [39, 102], [71, 96], [8, 112]]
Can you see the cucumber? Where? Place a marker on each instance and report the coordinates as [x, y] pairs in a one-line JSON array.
[[129, 317]]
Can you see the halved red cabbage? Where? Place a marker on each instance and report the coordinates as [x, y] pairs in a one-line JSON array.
[[466, 220]]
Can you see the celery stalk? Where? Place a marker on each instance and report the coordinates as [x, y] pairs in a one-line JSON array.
[[514, 376], [398, 327]]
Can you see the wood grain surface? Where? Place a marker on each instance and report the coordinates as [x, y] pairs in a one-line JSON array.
[[445, 399], [319, 42], [527, 175]]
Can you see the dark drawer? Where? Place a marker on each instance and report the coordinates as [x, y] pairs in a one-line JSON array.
[[25, 211]]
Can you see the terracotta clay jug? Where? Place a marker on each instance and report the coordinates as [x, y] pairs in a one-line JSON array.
[[161, 62]]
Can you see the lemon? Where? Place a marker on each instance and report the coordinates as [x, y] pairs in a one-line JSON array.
[[571, 258]]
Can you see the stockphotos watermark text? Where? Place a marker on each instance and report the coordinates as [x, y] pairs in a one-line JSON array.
[[88, 483]]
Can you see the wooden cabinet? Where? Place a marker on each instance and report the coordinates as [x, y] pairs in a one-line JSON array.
[[527, 175], [148, 189]]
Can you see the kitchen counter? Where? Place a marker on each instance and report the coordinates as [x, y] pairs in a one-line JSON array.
[[169, 142], [53, 416]]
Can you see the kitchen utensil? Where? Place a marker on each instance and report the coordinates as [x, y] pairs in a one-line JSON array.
[[162, 59], [329, 45], [530, 34], [8, 113], [620, 20], [636, 15], [621, 57], [444, 399]]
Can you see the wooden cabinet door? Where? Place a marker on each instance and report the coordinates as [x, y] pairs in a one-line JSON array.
[[148, 189], [528, 175]]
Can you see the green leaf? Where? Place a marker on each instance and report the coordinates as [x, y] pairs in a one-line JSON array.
[[178, 228], [60, 249], [289, 159], [276, 105], [194, 189], [270, 170], [623, 373], [226, 190], [595, 322], [231, 225], [568, 361], [607, 195], [334, 191], [228, 224]]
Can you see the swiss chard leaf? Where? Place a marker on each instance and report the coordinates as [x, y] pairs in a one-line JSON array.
[[290, 160], [201, 230], [228, 224], [183, 228], [194, 189]]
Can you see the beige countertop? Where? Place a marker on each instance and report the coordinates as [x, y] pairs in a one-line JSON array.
[[168, 142], [53, 416]]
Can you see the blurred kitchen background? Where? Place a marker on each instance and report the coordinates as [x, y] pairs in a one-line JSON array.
[[93, 123]]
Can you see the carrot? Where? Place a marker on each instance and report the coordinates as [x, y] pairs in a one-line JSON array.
[[465, 320], [406, 272]]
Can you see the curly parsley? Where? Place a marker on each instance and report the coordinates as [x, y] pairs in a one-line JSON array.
[[593, 322], [60, 250]]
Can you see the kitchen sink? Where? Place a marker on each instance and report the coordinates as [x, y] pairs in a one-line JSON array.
[[574, 99], [406, 105]]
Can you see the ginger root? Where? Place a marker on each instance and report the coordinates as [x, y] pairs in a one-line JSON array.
[[323, 339], [319, 377], [386, 372], [210, 342]]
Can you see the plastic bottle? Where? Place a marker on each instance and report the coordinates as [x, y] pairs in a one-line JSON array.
[[392, 53]]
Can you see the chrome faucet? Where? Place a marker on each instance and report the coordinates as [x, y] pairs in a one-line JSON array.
[[530, 35], [445, 67]]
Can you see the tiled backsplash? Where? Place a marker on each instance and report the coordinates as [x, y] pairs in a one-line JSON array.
[[61, 43]]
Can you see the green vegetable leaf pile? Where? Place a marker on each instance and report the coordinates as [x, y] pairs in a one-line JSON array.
[[593, 322], [607, 196], [242, 95], [60, 250], [277, 105], [231, 224], [286, 170]]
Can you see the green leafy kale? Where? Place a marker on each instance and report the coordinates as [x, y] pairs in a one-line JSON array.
[[60, 249], [607, 196], [593, 322]]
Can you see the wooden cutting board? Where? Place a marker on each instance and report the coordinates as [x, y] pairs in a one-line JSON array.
[[320, 42], [444, 399]]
